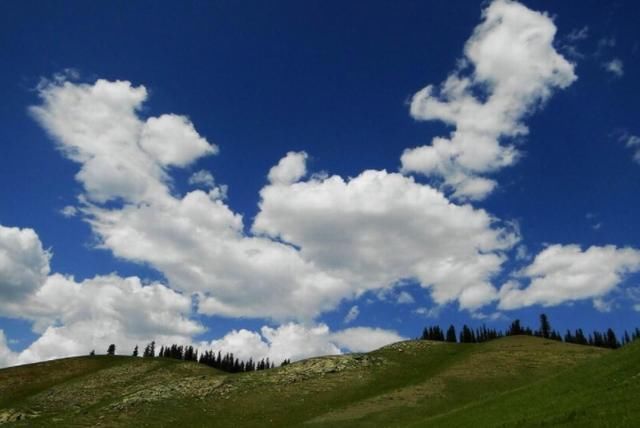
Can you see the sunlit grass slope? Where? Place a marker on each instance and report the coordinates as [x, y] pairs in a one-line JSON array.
[[515, 380]]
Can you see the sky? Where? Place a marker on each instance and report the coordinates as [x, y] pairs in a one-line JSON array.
[[289, 179]]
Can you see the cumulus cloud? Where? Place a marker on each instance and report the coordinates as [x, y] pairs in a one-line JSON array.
[[7, 357], [565, 273], [380, 228], [315, 242], [364, 339], [24, 264], [510, 68], [121, 155], [74, 317], [289, 169], [615, 67], [202, 178], [195, 240], [296, 341], [173, 141]]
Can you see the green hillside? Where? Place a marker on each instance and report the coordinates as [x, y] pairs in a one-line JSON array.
[[514, 381]]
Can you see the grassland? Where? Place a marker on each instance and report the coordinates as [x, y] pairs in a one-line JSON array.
[[515, 381]]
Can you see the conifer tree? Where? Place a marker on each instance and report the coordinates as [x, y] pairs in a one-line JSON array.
[[111, 350], [135, 351], [545, 326], [451, 334]]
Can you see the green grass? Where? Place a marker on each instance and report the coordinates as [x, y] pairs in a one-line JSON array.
[[515, 381]]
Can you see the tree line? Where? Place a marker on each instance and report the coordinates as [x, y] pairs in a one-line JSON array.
[[603, 339], [225, 362]]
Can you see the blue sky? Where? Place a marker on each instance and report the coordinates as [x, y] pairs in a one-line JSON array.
[[330, 90]]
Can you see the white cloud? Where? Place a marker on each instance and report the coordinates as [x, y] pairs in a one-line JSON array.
[[352, 314], [69, 211], [7, 356], [578, 34], [603, 305], [368, 233], [380, 228], [173, 141], [615, 67], [297, 341], [433, 312], [289, 169], [515, 65], [24, 264], [203, 178], [632, 142], [364, 339], [76, 317], [404, 298], [121, 155], [564, 273], [195, 239]]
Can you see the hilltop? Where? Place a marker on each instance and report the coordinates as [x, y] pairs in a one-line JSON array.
[[511, 381]]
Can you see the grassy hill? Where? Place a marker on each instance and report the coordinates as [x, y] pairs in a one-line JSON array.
[[514, 381]]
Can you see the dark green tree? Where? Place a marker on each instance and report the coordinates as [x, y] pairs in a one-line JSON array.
[[451, 334], [111, 350], [545, 326], [135, 351]]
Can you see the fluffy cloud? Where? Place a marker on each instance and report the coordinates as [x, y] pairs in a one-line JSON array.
[[566, 273], [364, 339], [24, 264], [121, 155], [75, 317], [340, 238], [515, 68], [202, 178], [380, 228], [632, 142], [198, 243], [7, 357], [69, 211], [615, 67], [173, 141], [296, 341], [289, 169]]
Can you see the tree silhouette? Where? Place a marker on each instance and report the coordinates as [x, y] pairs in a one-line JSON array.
[[135, 351], [111, 350], [451, 334], [545, 327]]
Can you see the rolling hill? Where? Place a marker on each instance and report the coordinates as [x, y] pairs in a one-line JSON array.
[[513, 381]]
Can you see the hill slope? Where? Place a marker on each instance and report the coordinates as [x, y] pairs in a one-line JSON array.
[[414, 383]]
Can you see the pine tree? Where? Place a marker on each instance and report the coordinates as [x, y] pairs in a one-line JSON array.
[[612, 340], [135, 351], [451, 334], [545, 326], [111, 350], [92, 353], [515, 328]]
